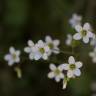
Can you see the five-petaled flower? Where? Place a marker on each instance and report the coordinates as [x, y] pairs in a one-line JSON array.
[[83, 32], [31, 50], [53, 44], [75, 20], [73, 67], [43, 50], [13, 56], [56, 72]]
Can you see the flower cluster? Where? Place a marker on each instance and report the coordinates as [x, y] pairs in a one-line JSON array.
[[43, 50], [65, 71]]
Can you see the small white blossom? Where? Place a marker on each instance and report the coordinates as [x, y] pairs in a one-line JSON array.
[[75, 20], [43, 50], [13, 56], [93, 55], [73, 67], [93, 86], [53, 44], [32, 51], [56, 72], [83, 32], [69, 40]]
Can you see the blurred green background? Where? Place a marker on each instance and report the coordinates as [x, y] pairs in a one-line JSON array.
[[21, 20]]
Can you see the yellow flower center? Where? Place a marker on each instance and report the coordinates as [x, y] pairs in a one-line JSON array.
[[57, 72], [42, 50], [72, 66], [14, 56], [50, 45], [84, 32]]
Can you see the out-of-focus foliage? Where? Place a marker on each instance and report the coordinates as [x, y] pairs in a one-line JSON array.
[[21, 20]]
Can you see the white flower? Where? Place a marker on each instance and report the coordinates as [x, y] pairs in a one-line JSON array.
[[75, 20], [32, 50], [72, 67], [43, 50], [53, 44], [83, 32], [13, 56], [69, 40], [56, 72], [93, 55]]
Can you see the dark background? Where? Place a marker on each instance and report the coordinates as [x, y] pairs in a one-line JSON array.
[[21, 20]]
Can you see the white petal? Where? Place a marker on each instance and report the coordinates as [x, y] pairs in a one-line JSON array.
[[40, 43], [56, 50], [56, 42], [71, 60], [57, 78], [79, 64], [12, 50], [77, 72], [51, 75], [46, 48], [85, 39], [8, 57], [48, 39], [65, 66], [61, 67], [11, 62], [30, 43], [52, 67], [45, 56], [70, 74], [31, 56], [17, 60], [61, 75], [78, 28], [18, 52], [87, 26], [27, 49], [37, 56], [90, 34], [77, 36]]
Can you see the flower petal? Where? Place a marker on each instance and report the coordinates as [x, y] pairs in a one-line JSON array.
[[30, 43], [77, 36], [78, 28], [87, 27], [56, 42], [27, 49], [11, 50], [85, 39], [71, 60], [52, 67], [70, 74], [61, 75], [77, 72], [8, 57], [78, 64], [65, 66], [51, 75], [48, 39], [90, 34], [57, 78]]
